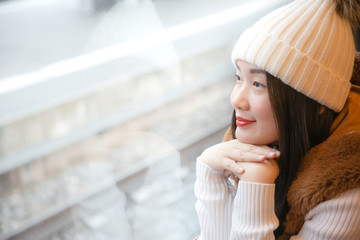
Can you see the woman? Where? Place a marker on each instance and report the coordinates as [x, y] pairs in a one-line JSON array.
[[294, 142]]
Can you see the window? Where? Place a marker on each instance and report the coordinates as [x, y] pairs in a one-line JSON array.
[[104, 106]]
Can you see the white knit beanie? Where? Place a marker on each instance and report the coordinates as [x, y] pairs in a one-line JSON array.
[[307, 45]]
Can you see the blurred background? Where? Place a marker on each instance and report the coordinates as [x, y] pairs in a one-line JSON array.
[[104, 107]]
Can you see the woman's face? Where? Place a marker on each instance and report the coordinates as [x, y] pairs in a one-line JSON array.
[[254, 118]]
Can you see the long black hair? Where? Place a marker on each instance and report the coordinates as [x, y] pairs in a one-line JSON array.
[[302, 123]]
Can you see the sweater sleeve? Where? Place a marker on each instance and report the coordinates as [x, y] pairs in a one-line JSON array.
[[338, 218], [250, 215], [254, 212], [214, 203]]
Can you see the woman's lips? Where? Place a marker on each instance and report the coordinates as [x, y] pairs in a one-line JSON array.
[[241, 122]]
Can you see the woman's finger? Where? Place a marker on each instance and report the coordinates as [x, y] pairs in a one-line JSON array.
[[251, 153], [242, 156], [227, 173], [257, 149], [230, 165]]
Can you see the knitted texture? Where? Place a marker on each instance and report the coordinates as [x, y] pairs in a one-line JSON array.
[[307, 45]]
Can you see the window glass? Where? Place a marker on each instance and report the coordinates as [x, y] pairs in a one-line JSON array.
[[104, 107]]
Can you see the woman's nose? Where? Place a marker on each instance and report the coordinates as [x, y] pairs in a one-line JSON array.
[[239, 98]]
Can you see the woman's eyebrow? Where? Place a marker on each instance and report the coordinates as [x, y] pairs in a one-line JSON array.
[[253, 70]]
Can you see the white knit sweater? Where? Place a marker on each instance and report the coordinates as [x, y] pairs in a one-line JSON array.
[[248, 212]]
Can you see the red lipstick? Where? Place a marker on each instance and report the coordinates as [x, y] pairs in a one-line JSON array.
[[241, 122]]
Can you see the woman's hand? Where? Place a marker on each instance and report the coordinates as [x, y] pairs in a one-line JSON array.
[[240, 158], [264, 172]]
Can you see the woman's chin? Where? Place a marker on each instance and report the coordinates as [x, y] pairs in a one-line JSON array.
[[253, 139], [245, 139]]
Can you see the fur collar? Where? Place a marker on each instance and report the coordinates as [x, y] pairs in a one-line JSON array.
[[328, 169]]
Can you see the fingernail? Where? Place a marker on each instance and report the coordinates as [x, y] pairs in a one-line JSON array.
[[261, 157], [274, 154], [241, 170]]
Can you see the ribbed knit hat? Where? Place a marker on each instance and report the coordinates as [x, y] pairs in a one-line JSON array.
[[309, 45]]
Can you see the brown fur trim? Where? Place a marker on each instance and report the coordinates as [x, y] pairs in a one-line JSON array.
[[328, 169], [355, 79]]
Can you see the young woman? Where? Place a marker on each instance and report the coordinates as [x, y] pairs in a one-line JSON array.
[[294, 144]]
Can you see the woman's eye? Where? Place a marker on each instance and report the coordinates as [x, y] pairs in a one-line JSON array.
[[238, 78], [258, 85]]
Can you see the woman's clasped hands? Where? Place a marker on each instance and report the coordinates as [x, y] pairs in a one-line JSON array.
[[251, 163]]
